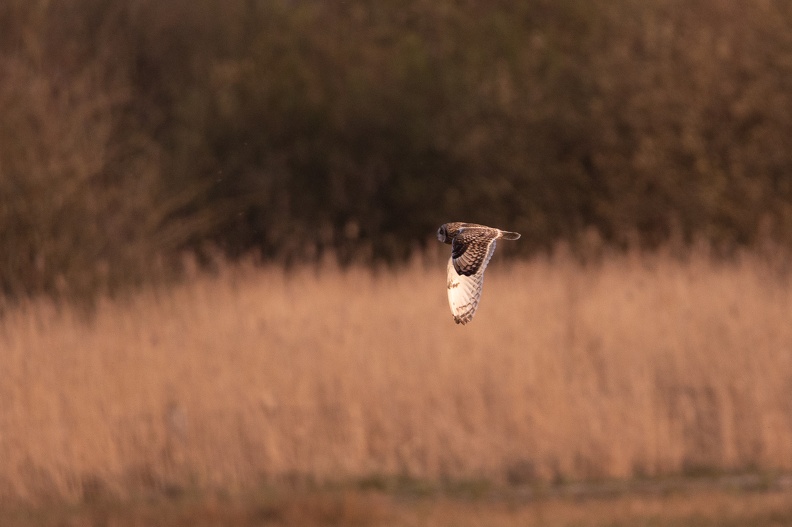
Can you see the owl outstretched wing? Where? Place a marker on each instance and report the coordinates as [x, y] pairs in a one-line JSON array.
[[470, 253]]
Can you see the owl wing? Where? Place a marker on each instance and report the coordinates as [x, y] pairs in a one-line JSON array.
[[470, 254], [471, 249]]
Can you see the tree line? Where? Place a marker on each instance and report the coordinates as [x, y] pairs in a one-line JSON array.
[[137, 131]]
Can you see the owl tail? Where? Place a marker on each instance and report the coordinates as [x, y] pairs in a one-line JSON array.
[[506, 235]]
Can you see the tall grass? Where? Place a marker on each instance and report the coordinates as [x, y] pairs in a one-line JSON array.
[[633, 366]]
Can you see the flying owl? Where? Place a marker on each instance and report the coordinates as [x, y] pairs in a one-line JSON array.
[[472, 246]]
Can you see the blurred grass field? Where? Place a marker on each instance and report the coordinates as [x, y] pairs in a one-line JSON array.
[[708, 507], [636, 366]]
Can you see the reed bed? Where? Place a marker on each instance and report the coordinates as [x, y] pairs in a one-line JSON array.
[[632, 366]]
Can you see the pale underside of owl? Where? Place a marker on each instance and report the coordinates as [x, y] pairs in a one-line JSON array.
[[472, 246]]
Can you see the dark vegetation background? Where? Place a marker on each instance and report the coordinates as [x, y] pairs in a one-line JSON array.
[[135, 131]]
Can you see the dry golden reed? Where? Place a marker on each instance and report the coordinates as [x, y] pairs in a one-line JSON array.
[[634, 366]]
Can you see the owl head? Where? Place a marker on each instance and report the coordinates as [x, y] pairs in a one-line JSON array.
[[448, 231], [443, 235]]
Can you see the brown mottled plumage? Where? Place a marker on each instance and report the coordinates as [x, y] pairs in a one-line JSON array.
[[472, 246]]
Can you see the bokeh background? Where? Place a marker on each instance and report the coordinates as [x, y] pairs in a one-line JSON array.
[[219, 275], [136, 130]]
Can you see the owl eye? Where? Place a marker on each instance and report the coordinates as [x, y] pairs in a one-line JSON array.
[[441, 234]]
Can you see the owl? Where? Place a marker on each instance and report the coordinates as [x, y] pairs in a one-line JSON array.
[[472, 246]]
